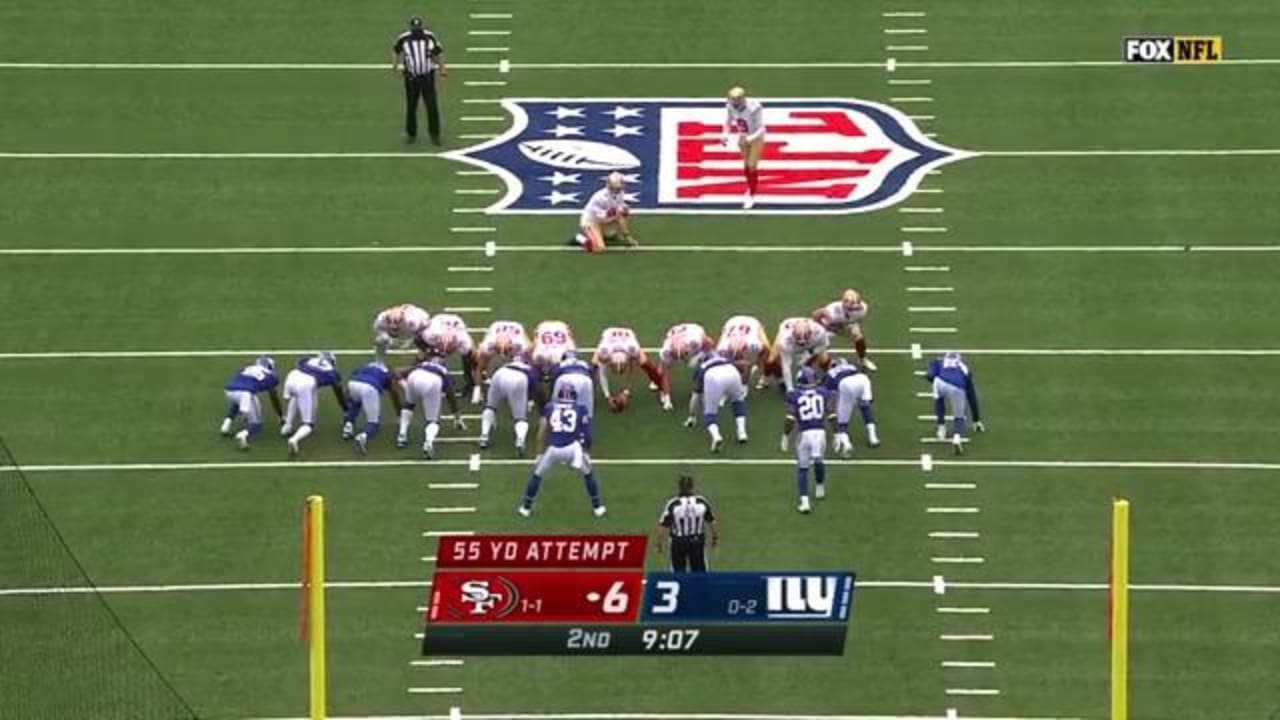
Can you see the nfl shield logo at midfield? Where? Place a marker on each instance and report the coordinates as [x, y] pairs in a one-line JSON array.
[[821, 155]]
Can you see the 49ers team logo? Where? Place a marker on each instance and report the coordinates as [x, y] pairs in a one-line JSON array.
[[821, 155]]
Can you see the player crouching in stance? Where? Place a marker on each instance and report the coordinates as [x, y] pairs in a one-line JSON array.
[[504, 341], [426, 383], [746, 119], [800, 341], [953, 384], [619, 353], [397, 327], [242, 395], [510, 384], [364, 394], [806, 413], [564, 438], [848, 315], [575, 375], [684, 343], [716, 380], [851, 388], [301, 388], [605, 216]]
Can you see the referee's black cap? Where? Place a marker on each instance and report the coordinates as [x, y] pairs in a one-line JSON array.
[[415, 23]]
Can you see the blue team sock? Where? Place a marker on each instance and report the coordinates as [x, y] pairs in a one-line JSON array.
[[958, 426], [353, 409], [802, 481], [371, 429], [868, 417], [254, 428], [531, 489], [940, 410], [739, 408], [593, 488], [233, 410], [820, 472], [709, 419]]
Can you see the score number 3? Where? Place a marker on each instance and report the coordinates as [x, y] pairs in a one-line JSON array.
[[668, 597]]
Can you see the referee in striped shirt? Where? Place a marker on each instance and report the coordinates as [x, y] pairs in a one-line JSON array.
[[684, 523], [417, 55]]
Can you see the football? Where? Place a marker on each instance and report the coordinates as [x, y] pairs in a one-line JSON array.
[[619, 402], [579, 154]]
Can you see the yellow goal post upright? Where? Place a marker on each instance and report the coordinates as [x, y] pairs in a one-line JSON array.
[[1119, 627], [313, 611]]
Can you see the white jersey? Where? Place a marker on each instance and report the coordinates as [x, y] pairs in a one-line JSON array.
[[401, 322], [749, 331], [835, 316], [817, 342], [512, 332], [551, 340], [684, 342], [617, 340], [604, 207], [747, 120], [447, 333]]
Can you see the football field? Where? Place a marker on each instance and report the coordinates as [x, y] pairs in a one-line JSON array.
[[186, 185]]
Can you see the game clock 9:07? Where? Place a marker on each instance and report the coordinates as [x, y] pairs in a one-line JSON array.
[[670, 639]]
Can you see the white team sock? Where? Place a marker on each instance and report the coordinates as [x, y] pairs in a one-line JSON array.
[[406, 417], [522, 432], [871, 434], [433, 431], [488, 419], [741, 423], [714, 430], [301, 434]]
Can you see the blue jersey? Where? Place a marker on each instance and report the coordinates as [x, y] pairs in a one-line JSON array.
[[950, 369], [713, 360], [321, 369], [254, 379], [530, 371], [569, 422], [375, 374], [837, 373], [571, 367], [436, 368], [809, 407]]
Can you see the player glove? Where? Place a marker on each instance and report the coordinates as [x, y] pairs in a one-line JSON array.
[[459, 423], [979, 426]]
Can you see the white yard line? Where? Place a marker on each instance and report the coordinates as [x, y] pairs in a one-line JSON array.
[[1003, 586], [663, 716], [743, 249]]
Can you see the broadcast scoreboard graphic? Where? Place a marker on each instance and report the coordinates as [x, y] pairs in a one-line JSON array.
[[590, 595]]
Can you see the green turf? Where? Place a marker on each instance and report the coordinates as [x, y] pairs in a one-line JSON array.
[[234, 653]]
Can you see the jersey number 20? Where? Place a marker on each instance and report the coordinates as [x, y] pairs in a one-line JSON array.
[[810, 406]]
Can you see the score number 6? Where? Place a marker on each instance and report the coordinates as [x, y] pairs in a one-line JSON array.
[[668, 597]]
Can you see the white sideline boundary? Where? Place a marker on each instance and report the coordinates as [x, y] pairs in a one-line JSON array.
[[679, 65], [639, 462], [1150, 152], [864, 584], [659, 716], [1189, 353], [730, 249]]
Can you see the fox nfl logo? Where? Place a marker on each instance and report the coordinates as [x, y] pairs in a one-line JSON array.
[[1178, 49]]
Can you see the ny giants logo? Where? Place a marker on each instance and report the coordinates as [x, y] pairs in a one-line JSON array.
[[820, 155]]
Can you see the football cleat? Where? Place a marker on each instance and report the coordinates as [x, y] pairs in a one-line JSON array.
[[293, 448], [402, 442], [804, 504], [286, 430], [716, 444], [242, 439], [523, 511], [820, 490], [942, 432], [519, 449], [868, 365], [484, 443], [598, 511], [475, 395], [429, 451], [742, 438], [957, 445], [348, 430], [748, 201], [361, 443], [690, 422], [225, 428]]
